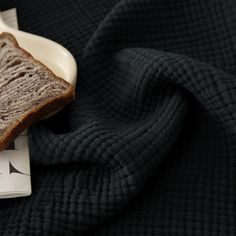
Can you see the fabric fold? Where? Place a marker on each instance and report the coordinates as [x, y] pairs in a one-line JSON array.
[[148, 146]]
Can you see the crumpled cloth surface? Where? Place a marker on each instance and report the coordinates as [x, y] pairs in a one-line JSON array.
[[149, 145]]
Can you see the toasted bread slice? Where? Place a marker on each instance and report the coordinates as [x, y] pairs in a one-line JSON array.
[[28, 90]]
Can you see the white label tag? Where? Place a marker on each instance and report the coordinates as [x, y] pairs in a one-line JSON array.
[[10, 18], [15, 178], [15, 169]]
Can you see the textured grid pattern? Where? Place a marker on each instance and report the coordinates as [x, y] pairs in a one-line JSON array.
[[148, 147]]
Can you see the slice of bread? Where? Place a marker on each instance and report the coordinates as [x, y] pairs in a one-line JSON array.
[[28, 90]]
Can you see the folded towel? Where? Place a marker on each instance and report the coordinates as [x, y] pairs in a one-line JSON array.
[[148, 147]]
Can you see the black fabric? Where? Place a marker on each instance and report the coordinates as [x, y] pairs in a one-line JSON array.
[[148, 147]]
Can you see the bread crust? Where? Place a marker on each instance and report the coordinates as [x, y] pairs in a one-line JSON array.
[[33, 115]]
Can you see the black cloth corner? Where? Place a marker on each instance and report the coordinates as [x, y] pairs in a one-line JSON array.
[[148, 147]]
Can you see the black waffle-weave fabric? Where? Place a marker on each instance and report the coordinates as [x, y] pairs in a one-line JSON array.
[[149, 145]]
